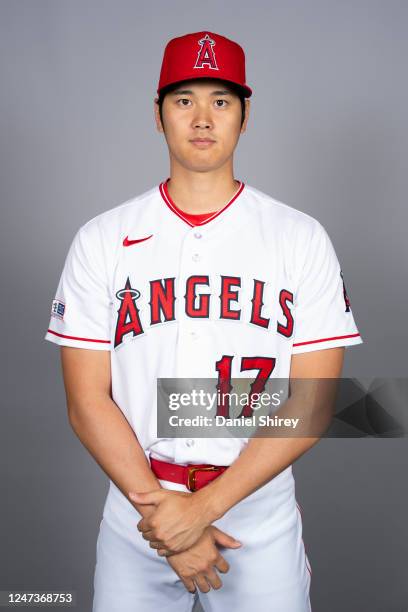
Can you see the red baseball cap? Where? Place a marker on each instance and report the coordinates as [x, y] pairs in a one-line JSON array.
[[200, 55]]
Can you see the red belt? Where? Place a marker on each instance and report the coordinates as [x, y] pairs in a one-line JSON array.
[[194, 475]]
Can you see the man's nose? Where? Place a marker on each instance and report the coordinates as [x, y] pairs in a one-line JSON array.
[[202, 118]]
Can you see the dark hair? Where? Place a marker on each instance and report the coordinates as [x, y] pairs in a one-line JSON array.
[[235, 88]]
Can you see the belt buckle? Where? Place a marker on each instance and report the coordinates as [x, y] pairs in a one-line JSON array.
[[191, 481]]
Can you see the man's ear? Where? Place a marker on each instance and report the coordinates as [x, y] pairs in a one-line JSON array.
[[247, 107], [159, 124]]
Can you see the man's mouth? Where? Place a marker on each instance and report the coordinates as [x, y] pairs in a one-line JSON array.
[[202, 142]]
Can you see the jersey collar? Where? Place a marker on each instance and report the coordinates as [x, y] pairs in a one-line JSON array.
[[172, 206]]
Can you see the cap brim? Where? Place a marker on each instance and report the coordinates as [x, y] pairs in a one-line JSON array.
[[247, 91]]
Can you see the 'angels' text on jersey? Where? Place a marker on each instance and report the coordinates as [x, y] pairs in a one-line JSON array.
[[197, 305]]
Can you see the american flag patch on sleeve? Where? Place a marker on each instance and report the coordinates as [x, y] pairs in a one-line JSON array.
[[58, 309]]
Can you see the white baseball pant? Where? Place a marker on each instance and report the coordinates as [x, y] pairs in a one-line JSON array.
[[270, 570]]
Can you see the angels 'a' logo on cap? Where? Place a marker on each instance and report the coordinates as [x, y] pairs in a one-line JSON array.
[[206, 53]]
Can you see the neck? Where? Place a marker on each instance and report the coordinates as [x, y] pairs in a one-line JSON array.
[[201, 192]]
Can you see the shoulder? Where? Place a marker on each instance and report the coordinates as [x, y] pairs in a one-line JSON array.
[[115, 218], [100, 238], [108, 226], [284, 217]]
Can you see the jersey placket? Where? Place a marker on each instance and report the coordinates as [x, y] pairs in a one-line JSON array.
[[190, 353]]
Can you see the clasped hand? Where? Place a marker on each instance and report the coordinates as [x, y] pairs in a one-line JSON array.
[[177, 521]]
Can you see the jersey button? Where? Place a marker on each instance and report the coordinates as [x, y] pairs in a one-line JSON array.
[[196, 257], [198, 235], [190, 442]]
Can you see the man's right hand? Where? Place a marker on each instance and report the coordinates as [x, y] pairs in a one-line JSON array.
[[197, 565]]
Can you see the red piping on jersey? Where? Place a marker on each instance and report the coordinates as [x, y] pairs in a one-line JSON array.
[[325, 339], [166, 197], [75, 338]]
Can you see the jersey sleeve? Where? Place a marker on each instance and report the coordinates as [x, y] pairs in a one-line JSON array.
[[322, 315], [80, 310]]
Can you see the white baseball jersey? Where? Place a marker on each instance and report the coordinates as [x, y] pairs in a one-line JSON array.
[[238, 294]]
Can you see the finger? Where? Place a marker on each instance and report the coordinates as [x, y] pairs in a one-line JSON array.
[[165, 553], [149, 535], [213, 579], [161, 544], [189, 584], [144, 525], [223, 539], [222, 565], [202, 583]]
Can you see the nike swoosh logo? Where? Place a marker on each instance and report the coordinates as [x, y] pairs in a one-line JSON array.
[[127, 242]]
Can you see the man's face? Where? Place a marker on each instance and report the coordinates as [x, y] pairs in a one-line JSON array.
[[201, 109]]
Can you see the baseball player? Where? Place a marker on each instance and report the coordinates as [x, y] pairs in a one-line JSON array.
[[200, 276]]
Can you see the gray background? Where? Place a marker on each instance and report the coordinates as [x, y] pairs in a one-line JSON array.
[[327, 135]]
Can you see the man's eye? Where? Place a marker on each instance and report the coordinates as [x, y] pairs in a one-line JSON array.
[[183, 100], [221, 100]]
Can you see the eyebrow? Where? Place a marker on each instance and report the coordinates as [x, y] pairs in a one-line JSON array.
[[217, 92]]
